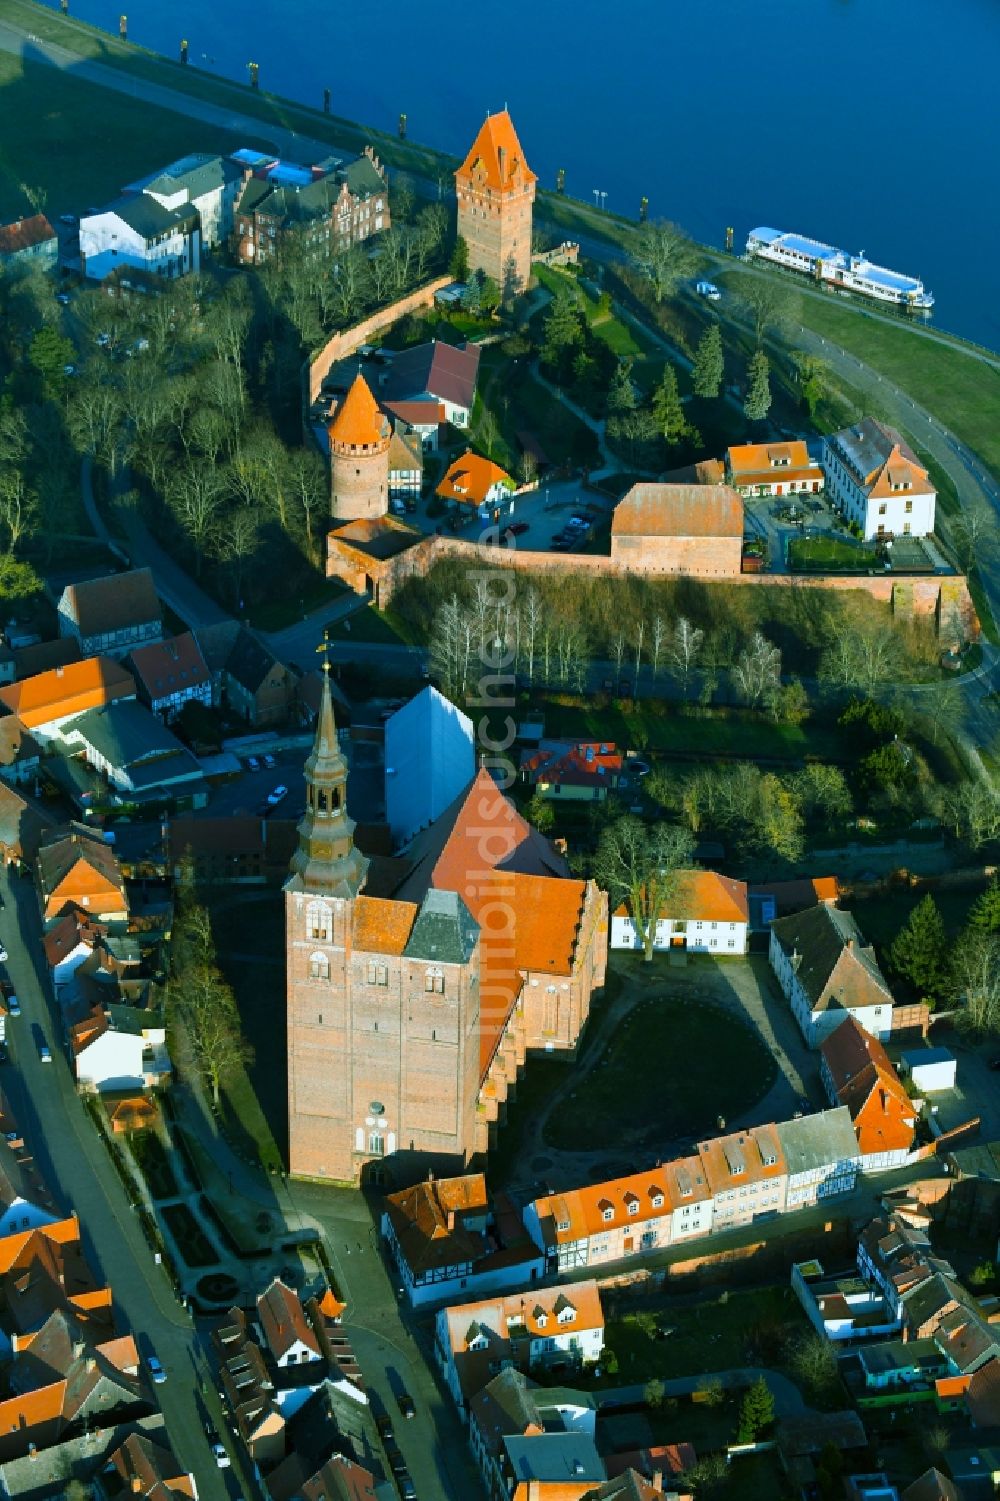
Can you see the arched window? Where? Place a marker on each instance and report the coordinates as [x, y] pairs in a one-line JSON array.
[[318, 921], [319, 967]]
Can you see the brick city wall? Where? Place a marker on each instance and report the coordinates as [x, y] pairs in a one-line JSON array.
[[349, 339], [692, 557], [945, 597]]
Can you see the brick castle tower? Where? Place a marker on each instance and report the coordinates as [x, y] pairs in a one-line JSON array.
[[383, 1001], [495, 190], [359, 434]]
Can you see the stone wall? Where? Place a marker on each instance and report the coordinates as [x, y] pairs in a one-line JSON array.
[[945, 597], [340, 345], [685, 557]]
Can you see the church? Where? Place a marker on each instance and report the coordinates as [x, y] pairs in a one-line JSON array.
[[410, 1015]]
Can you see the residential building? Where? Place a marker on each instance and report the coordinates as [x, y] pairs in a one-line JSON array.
[[473, 1341], [857, 1073], [430, 759], [828, 973], [442, 375], [77, 869], [584, 770], [247, 678], [169, 674], [119, 1048], [757, 469], [288, 1337], [696, 530], [49, 700], [747, 1174], [20, 752], [550, 1466], [420, 419], [23, 826], [326, 208], [138, 233], [513, 1404], [446, 1240], [402, 1032], [876, 480], [359, 437], [25, 1202], [495, 189], [67, 944], [633, 1216], [821, 1154], [142, 760], [206, 183], [633, 1485], [243, 850], [111, 615], [702, 911], [474, 481], [932, 1485], [771, 899], [144, 1467], [406, 464], [28, 242]]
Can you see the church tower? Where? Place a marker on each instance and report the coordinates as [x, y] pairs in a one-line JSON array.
[[495, 189], [359, 435], [327, 873]]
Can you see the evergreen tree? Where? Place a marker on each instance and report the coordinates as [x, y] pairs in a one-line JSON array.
[[563, 330], [758, 398], [706, 377], [668, 408], [919, 951], [458, 266], [984, 914], [756, 1412], [621, 396]]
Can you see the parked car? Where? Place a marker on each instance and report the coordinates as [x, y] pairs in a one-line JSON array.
[[217, 1447], [394, 1459], [269, 763], [155, 1369], [4, 1055], [69, 370], [708, 289], [278, 795], [3, 953], [407, 1489], [253, 764], [102, 341], [13, 1005], [405, 1404], [67, 218], [44, 1051], [518, 528], [63, 299]]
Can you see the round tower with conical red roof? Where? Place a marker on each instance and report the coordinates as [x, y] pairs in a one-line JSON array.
[[359, 435]]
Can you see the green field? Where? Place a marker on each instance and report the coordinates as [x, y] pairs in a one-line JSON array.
[[737, 734], [77, 146], [823, 554], [672, 1067]]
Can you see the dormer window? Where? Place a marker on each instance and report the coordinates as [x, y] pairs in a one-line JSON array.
[[657, 1201], [631, 1203], [541, 1320], [607, 1210]]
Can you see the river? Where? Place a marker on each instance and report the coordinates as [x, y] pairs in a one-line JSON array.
[[871, 124]]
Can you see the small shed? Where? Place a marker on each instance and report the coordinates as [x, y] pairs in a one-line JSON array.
[[931, 1069]]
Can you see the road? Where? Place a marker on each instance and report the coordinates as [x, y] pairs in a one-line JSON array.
[[75, 1164]]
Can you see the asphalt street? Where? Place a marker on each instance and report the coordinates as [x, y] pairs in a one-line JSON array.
[[75, 1164]]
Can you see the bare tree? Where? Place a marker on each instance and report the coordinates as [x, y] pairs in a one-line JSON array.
[[636, 865], [977, 983], [758, 670], [18, 506], [307, 482], [770, 306], [685, 646], [532, 615], [664, 255], [618, 654], [972, 809], [194, 494], [657, 638], [237, 544], [863, 657], [571, 655], [975, 525], [639, 634]]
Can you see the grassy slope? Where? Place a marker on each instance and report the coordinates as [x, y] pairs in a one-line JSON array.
[[52, 137]]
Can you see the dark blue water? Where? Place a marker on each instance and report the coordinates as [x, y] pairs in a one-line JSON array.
[[871, 124]]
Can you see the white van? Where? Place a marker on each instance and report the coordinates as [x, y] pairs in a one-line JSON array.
[[708, 289]]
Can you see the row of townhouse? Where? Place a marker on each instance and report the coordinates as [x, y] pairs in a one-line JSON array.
[[868, 471], [734, 1180]]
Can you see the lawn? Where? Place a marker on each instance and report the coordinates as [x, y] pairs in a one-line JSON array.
[[369, 624], [520, 404], [82, 146], [823, 554], [313, 594], [671, 1069], [737, 734], [151, 1159]]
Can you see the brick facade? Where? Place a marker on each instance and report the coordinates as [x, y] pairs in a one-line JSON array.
[[691, 557], [341, 344]]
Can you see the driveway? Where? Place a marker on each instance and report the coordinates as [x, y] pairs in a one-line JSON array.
[[76, 1166]]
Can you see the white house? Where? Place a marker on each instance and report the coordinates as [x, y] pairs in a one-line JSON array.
[[828, 973], [139, 232], [703, 912], [140, 757], [528, 1329], [208, 184], [874, 478], [430, 759], [119, 1048], [68, 944], [287, 1333], [822, 1157]]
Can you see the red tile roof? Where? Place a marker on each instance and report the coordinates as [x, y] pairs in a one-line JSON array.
[[495, 158], [358, 421], [703, 896], [283, 1320], [67, 691], [470, 479], [24, 233], [167, 667], [112, 603], [656, 510]]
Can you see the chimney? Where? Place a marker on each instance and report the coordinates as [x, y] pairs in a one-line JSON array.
[[136, 1485], [32, 1452], [78, 1348], [451, 1219]]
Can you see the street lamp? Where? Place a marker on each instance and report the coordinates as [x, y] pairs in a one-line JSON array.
[[597, 193], [604, 200]]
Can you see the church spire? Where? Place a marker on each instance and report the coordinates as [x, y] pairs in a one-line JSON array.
[[326, 860]]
